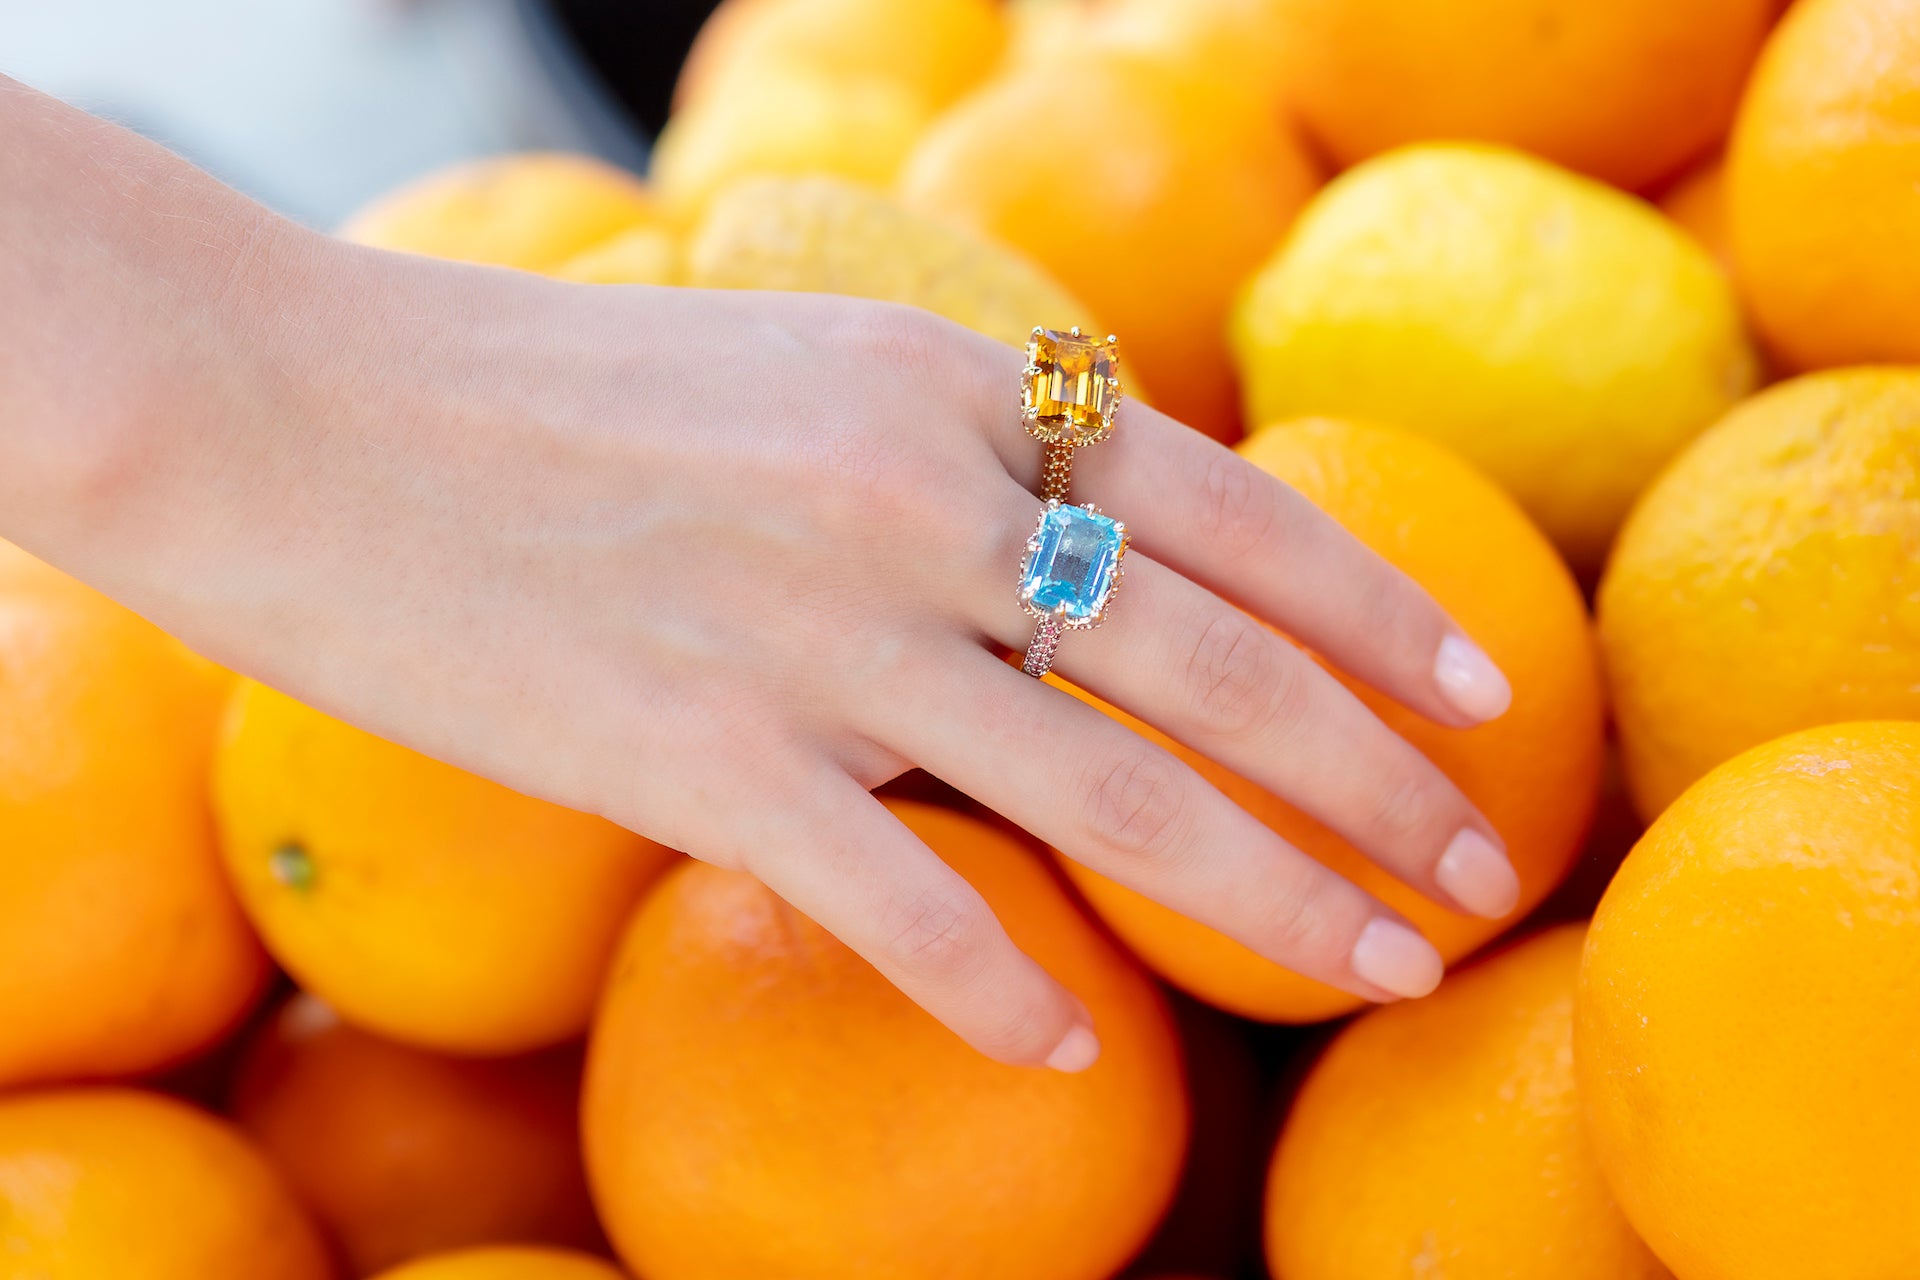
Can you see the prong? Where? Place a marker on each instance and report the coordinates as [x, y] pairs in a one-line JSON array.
[[1053, 504], [1039, 329], [1033, 370], [1075, 331], [1111, 338]]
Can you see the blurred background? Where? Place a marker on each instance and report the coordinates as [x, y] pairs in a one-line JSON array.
[[314, 106]]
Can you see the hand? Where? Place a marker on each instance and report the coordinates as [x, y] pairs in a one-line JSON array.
[[715, 564]]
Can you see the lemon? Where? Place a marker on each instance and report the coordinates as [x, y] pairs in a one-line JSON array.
[[1563, 336], [823, 235]]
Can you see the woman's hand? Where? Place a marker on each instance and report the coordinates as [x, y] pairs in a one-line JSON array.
[[714, 564]]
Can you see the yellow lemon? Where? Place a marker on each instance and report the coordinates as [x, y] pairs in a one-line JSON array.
[[827, 236], [1561, 335]]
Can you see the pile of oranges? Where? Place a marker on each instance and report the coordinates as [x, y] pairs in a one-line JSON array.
[[1602, 321]]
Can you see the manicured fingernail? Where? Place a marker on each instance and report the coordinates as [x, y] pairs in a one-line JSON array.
[[1077, 1050], [1394, 957], [1478, 876], [1469, 680]]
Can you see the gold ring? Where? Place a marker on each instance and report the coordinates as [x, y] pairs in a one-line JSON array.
[[1068, 397]]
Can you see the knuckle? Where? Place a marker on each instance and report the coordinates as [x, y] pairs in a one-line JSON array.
[[1237, 507], [1139, 805], [1396, 613], [1290, 928], [1403, 808], [939, 933], [1237, 680]]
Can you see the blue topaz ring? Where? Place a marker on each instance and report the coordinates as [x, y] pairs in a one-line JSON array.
[[1069, 576]]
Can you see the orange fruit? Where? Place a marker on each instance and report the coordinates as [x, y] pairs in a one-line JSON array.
[[1770, 579], [1746, 1033], [506, 1262], [1627, 91], [789, 124], [1534, 771], [420, 901], [1176, 185], [1824, 184], [760, 1101], [401, 1152], [933, 49], [1698, 202], [1444, 1137], [122, 949], [533, 211], [1240, 39], [98, 1183]]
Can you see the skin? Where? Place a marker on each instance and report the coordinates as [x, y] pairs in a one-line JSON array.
[[712, 565]]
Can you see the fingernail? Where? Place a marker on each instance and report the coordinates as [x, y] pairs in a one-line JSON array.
[[1477, 875], [1077, 1050], [1394, 957], [1469, 680]]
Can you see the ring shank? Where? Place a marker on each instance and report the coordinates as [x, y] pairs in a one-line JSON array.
[[1040, 650]]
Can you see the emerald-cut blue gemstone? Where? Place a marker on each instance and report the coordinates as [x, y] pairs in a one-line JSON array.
[[1071, 568]]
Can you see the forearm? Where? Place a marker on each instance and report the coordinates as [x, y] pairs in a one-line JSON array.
[[136, 291]]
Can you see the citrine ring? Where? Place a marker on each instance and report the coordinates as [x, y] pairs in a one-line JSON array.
[[1069, 576], [1068, 396]]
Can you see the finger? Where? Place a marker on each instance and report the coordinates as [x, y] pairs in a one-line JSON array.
[[840, 858], [1134, 812], [1205, 512], [1202, 671]]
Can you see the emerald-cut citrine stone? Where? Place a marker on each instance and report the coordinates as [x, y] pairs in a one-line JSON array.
[[1074, 561], [1071, 392]]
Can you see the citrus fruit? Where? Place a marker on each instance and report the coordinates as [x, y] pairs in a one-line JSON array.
[[787, 122], [533, 211], [1148, 189], [122, 949], [760, 1101], [1746, 1034], [1698, 202], [1444, 1137], [821, 235], [1626, 91], [1562, 336], [418, 900], [1533, 772], [506, 1262], [120, 1183], [933, 50], [1824, 185], [401, 1152], [1237, 39], [643, 255], [1770, 580]]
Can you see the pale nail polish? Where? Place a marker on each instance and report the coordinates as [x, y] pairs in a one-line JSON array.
[[1477, 875], [1469, 680], [1077, 1050], [1395, 958]]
